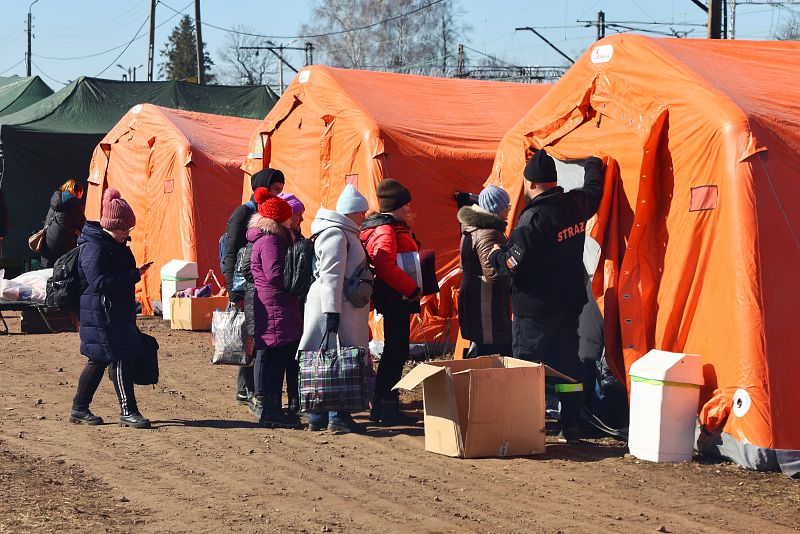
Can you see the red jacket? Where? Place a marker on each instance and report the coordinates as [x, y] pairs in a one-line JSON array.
[[384, 237]]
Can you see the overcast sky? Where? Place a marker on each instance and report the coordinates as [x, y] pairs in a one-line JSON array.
[[67, 31]]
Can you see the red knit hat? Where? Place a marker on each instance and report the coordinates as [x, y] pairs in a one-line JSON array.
[[117, 213], [271, 206]]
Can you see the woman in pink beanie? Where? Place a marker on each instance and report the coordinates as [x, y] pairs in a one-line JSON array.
[[108, 332]]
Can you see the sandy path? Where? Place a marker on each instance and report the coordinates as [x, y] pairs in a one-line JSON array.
[[207, 467]]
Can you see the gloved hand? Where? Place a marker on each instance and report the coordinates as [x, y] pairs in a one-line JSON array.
[[416, 295], [331, 323]]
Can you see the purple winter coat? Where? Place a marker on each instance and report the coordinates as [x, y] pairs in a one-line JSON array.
[[276, 312]]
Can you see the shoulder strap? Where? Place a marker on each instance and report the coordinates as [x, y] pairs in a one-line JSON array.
[[314, 237]]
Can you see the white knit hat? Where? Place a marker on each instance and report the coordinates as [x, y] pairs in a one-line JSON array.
[[351, 201]]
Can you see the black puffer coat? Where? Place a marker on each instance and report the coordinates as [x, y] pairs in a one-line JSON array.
[[484, 298], [108, 308], [65, 218]]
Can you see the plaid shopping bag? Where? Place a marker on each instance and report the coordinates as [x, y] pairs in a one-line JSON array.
[[333, 379]]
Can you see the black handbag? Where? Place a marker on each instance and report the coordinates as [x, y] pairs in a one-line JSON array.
[[145, 368]]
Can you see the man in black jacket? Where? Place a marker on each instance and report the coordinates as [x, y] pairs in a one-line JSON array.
[[235, 230], [544, 257]]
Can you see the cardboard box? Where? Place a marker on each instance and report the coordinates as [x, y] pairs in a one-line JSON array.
[[194, 313], [491, 406]]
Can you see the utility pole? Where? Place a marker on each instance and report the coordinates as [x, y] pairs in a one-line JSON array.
[[201, 75], [152, 45], [733, 19], [714, 19], [272, 47], [601, 25], [280, 55], [309, 54], [460, 61], [30, 36]]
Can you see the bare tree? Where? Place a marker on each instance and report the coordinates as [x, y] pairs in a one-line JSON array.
[[790, 29], [246, 67], [423, 41]]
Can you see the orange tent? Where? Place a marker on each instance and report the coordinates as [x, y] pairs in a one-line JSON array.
[[180, 171], [699, 224], [436, 135]]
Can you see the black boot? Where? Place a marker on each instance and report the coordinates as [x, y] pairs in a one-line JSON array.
[[243, 396], [392, 415], [134, 420], [375, 409], [273, 416], [294, 405], [84, 417], [570, 417]]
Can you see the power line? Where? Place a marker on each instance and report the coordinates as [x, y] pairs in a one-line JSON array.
[[136, 35], [493, 58], [384, 21], [110, 49], [12, 66], [47, 75]]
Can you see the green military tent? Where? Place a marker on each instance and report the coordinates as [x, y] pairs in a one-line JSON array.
[[52, 140], [17, 93]]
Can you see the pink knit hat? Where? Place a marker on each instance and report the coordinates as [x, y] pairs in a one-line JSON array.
[[117, 214]]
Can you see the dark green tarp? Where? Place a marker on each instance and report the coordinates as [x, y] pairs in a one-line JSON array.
[[52, 140], [17, 93]]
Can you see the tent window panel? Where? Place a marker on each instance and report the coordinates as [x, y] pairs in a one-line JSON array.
[[704, 198], [169, 186]]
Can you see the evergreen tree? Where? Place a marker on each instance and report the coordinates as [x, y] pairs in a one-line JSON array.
[[181, 54]]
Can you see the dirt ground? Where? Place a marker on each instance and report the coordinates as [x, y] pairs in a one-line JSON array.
[[206, 466]]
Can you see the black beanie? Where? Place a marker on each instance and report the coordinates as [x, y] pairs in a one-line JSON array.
[[541, 168], [392, 195], [265, 178]]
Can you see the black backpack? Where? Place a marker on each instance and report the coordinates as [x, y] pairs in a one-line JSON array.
[[64, 288], [298, 271]]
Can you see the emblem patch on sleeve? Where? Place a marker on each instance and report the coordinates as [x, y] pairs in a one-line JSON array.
[[511, 263]]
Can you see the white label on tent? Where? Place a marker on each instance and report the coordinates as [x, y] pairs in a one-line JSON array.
[[741, 402], [136, 109], [602, 54], [255, 155], [304, 76]]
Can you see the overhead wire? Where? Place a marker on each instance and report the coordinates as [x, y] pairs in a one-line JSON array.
[[12, 66], [314, 36], [126, 47], [110, 49], [47, 75]]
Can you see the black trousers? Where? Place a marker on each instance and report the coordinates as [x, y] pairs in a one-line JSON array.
[[120, 373], [293, 376], [396, 334], [269, 368], [552, 339]]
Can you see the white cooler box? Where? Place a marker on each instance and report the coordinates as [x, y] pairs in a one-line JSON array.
[[665, 393], [176, 275]]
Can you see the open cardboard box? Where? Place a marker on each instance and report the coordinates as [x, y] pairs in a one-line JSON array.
[[482, 407], [194, 313]]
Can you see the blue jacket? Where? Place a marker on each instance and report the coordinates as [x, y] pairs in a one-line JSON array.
[[108, 308]]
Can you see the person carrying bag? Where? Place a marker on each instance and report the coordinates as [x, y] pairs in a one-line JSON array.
[[336, 306]]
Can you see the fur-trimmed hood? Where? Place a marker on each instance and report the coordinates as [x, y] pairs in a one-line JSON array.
[[260, 225], [477, 217]]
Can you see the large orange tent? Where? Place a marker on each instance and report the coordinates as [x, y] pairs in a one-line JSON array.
[[698, 229], [436, 135], [181, 173]]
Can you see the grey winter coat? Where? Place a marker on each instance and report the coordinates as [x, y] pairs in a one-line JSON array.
[[484, 299], [339, 253]]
